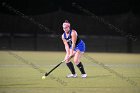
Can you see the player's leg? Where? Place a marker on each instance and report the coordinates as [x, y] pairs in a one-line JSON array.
[[71, 68], [79, 64]]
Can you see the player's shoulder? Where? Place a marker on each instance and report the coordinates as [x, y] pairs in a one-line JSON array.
[[74, 31]]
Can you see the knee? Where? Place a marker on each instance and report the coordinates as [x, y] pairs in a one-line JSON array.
[[76, 61], [67, 61]]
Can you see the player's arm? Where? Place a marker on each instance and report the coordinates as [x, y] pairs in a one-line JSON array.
[[66, 47], [74, 38]]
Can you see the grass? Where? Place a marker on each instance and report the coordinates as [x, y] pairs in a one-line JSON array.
[[18, 77]]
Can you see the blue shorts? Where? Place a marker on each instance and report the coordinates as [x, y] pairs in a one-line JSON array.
[[80, 46]]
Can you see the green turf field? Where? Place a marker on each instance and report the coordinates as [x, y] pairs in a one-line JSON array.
[[20, 73]]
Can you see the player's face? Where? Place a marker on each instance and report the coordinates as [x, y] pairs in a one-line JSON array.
[[66, 29]]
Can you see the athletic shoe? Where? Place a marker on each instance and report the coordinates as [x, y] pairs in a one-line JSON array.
[[84, 75], [71, 75]]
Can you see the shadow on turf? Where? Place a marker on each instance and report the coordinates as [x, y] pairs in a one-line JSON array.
[[99, 76]]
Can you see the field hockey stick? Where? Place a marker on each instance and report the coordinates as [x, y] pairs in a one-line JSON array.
[[46, 74]]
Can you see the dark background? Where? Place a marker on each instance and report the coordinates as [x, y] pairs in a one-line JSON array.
[[20, 32]]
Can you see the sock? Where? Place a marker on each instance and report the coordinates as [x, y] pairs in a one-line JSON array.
[[81, 68], [71, 67]]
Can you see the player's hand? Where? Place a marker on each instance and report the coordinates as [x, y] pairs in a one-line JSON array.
[[71, 55], [67, 58]]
